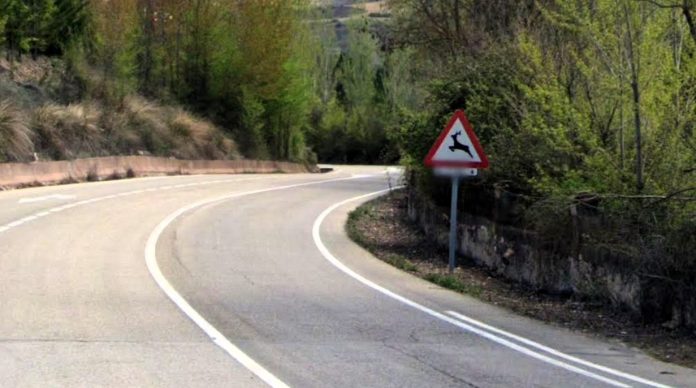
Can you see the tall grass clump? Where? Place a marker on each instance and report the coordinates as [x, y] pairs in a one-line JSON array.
[[15, 137], [69, 131], [135, 126], [196, 137]]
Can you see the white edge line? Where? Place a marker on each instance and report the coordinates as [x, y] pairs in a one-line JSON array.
[[216, 336], [16, 223], [554, 351], [338, 264]]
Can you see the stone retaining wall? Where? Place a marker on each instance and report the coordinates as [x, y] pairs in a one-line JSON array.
[[586, 272], [14, 175]]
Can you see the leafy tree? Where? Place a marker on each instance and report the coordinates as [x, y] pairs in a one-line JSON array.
[[42, 26]]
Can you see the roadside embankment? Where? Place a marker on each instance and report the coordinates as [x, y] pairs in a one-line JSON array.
[[573, 265], [14, 175], [383, 227]]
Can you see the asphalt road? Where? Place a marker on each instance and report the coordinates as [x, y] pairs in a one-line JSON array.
[[249, 280]]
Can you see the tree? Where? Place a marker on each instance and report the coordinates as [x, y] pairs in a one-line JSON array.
[[42, 26]]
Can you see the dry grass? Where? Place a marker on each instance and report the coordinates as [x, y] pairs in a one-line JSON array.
[[136, 126], [201, 137], [373, 7], [15, 136], [69, 131], [174, 131], [33, 71], [146, 122], [107, 121]]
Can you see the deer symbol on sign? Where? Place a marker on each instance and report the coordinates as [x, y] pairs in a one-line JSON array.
[[459, 146]]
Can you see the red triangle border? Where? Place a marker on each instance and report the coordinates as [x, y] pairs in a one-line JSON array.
[[461, 116]]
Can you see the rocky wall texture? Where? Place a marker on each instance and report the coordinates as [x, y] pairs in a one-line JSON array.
[[586, 272]]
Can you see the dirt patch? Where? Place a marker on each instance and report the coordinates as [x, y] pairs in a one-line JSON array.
[[373, 7], [382, 226]]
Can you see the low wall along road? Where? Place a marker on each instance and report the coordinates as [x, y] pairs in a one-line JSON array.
[[13, 175], [585, 270]]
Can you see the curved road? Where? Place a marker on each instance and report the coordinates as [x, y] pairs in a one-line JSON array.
[[249, 280]]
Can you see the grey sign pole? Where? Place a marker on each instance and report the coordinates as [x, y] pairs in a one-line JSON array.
[[453, 224], [456, 165]]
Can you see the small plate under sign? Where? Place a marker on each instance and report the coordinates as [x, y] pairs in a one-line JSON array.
[[455, 171]]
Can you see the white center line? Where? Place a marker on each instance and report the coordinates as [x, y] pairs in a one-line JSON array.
[[46, 198], [57, 209]]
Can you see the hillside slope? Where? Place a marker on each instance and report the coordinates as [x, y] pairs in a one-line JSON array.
[[51, 111]]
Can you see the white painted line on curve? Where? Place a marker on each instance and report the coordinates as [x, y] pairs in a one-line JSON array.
[[478, 331], [16, 223], [96, 199], [28, 218], [554, 351], [215, 335], [46, 198]]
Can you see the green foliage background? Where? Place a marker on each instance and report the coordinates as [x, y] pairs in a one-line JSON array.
[[577, 103]]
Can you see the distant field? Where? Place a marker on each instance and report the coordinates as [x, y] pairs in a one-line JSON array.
[[350, 8], [373, 6]]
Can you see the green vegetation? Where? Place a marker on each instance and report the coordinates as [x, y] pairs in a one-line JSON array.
[[453, 283], [270, 73], [567, 96], [585, 104], [41, 26]]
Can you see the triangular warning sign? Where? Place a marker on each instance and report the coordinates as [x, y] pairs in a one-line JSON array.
[[457, 146]]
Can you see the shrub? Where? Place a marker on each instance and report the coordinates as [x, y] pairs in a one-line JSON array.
[[15, 137], [69, 131], [195, 138]]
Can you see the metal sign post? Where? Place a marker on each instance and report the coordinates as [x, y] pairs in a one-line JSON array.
[[456, 175], [457, 154], [453, 224]]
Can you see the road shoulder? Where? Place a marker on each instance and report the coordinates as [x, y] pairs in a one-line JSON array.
[[610, 352]]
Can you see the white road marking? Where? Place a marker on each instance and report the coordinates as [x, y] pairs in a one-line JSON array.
[[15, 223], [215, 335], [476, 330], [57, 209], [56, 197], [554, 351]]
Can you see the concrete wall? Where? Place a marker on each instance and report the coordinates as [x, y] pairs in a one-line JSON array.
[[586, 271], [13, 175]]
